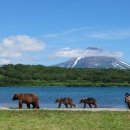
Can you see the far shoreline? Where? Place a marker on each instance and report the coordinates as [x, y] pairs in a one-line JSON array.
[[60, 86]]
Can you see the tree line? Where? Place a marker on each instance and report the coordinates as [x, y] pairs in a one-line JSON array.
[[39, 75]]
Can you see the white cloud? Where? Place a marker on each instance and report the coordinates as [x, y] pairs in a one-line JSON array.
[[19, 47], [65, 33], [70, 53], [67, 52], [85, 33], [110, 34]]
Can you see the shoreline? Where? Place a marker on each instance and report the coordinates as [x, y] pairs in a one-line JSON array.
[[71, 109]]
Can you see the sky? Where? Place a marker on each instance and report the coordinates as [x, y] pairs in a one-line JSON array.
[[48, 32]]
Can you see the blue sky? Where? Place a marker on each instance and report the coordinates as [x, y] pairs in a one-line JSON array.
[[51, 31]]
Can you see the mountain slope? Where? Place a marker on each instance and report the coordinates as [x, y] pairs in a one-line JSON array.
[[95, 62]]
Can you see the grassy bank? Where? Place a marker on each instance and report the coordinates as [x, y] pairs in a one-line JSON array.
[[63, 120]]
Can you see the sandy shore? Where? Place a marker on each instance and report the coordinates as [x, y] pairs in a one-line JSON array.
[[73, 109], [89, 109]]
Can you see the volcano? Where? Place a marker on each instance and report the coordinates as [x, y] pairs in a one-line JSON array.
[[98, 61]]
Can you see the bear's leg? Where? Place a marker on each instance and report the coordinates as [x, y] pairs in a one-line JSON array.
[[128, 105], [84, 105], [20, 104], [70, 105], [34, 105], [95, 105], [28, 105], [90, 105], [59, 105], [74, 105], [66, 105]]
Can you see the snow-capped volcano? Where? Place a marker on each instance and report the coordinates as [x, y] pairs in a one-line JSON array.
[[95, 62], [95, 58]]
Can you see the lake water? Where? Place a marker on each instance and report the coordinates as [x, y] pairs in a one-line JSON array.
[[106, 97]]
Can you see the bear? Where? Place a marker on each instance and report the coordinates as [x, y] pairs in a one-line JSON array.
[[65, 101], [28, 99], [90, 101], [127, 99]]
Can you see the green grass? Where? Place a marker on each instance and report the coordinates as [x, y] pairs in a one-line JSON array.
[[63, 120]]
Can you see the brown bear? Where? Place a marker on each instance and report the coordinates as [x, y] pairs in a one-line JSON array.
[[28, 99], [65, 101], [127, 99], [90, 101]]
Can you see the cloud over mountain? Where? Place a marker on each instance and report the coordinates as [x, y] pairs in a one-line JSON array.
[[70, 53]]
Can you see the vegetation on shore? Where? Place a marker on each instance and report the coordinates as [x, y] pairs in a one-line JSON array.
[[63, 120], [38, 75]]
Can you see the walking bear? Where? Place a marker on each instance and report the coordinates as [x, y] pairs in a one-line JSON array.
[[65, 101], [90, 101], [28, 99]]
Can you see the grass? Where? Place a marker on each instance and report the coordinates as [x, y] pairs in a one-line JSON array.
[[63, 120]]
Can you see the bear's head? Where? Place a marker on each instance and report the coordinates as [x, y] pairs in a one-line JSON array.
[[57, 100], [82, 100], [15, 97]]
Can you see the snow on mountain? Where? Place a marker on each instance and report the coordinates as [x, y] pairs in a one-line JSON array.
[[95, 62]]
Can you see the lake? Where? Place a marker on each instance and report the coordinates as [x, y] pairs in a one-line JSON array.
[[110, 97]]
